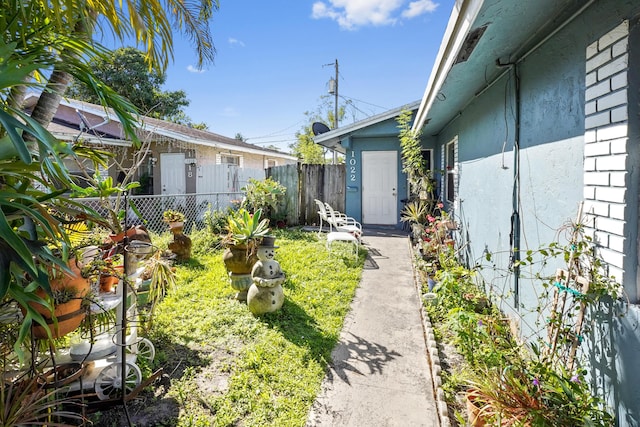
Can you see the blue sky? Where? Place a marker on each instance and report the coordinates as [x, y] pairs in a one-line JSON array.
[[270, 62]]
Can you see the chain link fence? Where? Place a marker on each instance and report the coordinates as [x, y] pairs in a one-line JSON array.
[[150, 208]]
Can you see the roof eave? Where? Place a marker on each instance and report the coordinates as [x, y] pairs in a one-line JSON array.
[[461, 20], [331, 139], [100, 110], [92, 139]]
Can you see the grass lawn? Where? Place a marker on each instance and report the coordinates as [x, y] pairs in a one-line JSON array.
[[224, 366]]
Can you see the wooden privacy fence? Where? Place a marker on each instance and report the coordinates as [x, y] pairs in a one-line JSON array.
[[305, 183]]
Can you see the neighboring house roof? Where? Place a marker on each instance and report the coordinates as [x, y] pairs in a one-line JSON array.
[[333, 138], [483, 38], [68, 130]]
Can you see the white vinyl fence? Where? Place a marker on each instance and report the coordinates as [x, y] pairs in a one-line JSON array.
[[225, 178]]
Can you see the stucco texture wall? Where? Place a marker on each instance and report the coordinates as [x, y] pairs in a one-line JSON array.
[[551, 170], [380, 137]]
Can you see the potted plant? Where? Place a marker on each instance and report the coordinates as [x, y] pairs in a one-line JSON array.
[[245, 232], [110, 194], [158, 279], [108, 271], [175, 219], [531, 393], [62, 311]]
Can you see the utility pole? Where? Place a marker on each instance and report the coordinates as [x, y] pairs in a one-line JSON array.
[[333, 89], [336, 98]]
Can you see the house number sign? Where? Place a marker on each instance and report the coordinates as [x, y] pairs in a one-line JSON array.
[[353, 163]]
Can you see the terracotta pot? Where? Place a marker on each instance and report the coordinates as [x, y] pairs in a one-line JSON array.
[[236, 260], [64, 280], [138, 231], [70, 314], [473, 411], [61, 375], [176, 227], [450, 225], [108, 283]]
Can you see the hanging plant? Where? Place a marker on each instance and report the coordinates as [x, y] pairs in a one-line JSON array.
[[413, 163]]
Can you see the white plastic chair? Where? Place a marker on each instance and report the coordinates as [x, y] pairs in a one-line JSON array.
[[342, 222], [324, 216]]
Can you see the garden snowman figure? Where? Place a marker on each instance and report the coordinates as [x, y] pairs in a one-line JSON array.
[[265, 294]]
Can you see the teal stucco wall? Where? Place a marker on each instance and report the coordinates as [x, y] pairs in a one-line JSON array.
[[382, 136], [550, 174]]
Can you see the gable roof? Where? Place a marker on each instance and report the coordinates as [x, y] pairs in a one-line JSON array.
[[482, 40], [333, 138], [68, 131]]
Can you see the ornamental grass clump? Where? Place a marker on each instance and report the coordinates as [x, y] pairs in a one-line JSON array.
[[530, 392]]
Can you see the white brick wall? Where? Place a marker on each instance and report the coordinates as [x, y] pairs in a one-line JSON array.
[[606, 139]]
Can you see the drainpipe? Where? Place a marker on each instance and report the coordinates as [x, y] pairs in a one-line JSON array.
[[515, 216]]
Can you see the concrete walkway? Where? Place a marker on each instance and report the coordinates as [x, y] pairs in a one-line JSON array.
[[380, 373]]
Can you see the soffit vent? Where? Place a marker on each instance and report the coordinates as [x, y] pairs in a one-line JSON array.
[[470, 44]]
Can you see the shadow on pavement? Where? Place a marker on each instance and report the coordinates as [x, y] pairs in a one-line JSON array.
[[358, 351]]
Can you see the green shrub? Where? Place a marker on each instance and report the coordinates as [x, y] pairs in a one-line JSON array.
[[215, 221], [265, 195]]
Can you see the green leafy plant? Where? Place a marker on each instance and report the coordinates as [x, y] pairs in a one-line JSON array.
[[215, 221], [110, 195], [524, 383], [433, 237], [530, 393], [102, 266], [61, 296], [246, 229], [415, 212], [26, 402], [265, 195], [414, 165], [173, 216], [162, 278]]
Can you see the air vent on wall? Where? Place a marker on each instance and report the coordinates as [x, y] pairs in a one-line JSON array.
[[470, 44]]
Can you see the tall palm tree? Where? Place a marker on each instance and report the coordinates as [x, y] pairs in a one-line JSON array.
[[149, 22]]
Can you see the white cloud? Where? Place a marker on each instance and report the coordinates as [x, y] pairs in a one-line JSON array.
[[419, 7], [235, 42], [350, 14], [193, 69]]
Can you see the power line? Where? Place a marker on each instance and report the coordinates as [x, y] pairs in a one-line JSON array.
[[276, 133], [274, 141], [283, 132], [349, 101], [365, 102]]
